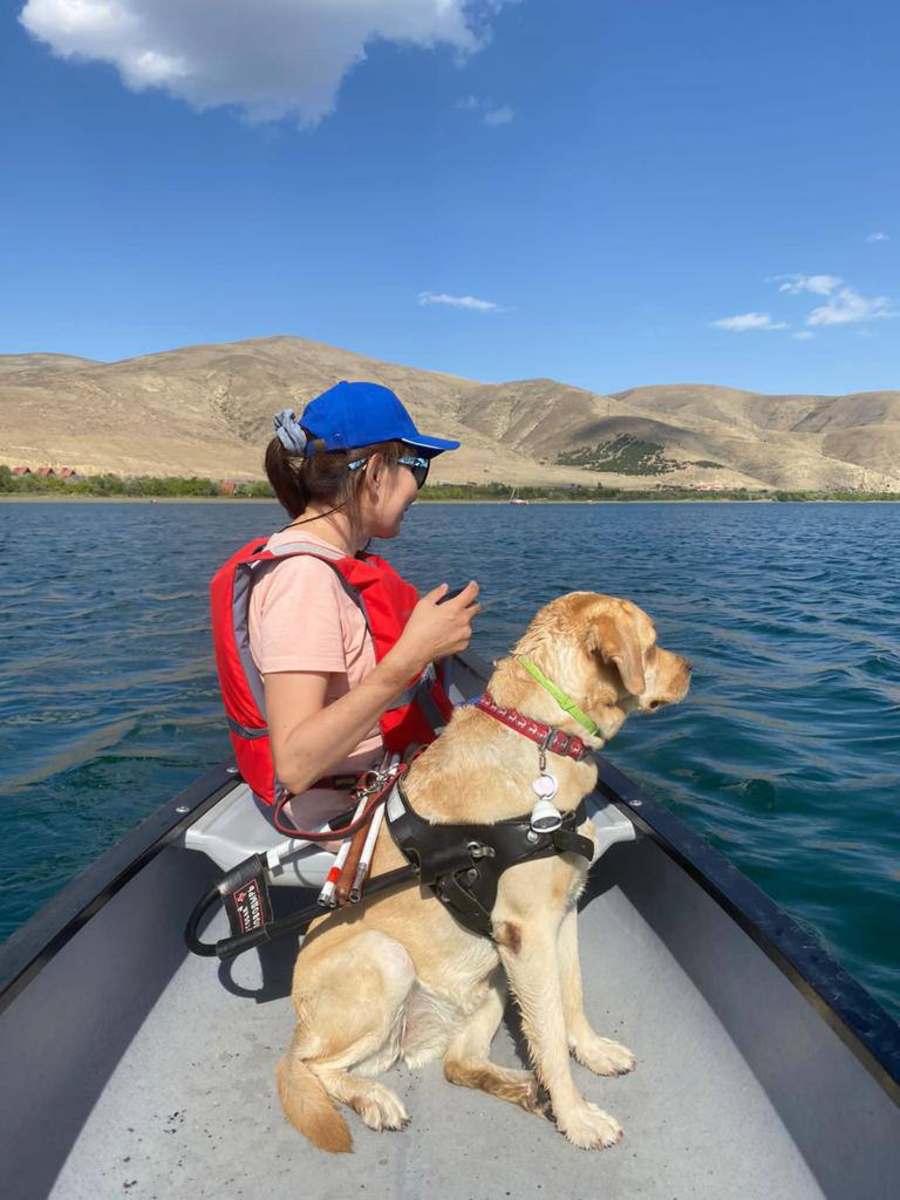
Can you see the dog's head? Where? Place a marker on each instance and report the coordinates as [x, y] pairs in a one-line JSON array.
[[603, 653]]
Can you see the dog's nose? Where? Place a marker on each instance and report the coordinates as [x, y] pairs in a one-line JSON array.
[[689, 665]]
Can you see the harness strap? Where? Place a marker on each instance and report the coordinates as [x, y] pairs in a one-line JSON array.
[[462, 864]]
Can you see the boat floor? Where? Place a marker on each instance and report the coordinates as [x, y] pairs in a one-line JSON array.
[[191, 1109]]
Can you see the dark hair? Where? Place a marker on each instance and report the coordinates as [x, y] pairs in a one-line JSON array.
[[323, 476]]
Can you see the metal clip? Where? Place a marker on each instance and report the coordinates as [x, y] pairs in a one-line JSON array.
[[542, 749], [477, 850]]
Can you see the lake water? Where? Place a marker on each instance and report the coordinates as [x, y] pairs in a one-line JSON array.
[[785, 755]]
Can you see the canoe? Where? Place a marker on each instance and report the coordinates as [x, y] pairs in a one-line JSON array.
[[129, 1066]]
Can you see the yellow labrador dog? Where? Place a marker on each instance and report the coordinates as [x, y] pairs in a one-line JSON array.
[[398, 978]]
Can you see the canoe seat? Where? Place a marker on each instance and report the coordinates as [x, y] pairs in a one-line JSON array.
[[234, 829]]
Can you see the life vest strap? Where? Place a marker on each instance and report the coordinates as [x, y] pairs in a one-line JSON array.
[[245, 731]]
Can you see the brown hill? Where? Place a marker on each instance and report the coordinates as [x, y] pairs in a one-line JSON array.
[[207, 410], [42, 362]]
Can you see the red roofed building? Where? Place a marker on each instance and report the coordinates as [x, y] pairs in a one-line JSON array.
[[21, 470], [227, 487], [46, 472], [67, 473]]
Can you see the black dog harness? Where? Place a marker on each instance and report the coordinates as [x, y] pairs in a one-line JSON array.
[[462, 864]]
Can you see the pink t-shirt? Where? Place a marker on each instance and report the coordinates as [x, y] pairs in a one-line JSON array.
[[302, 619]]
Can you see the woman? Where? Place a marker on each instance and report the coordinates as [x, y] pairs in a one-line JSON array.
[[346, 471]]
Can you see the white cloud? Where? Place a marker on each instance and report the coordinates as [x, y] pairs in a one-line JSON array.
[[848, 306], [819, 285], [499, 116], [271, 58], [470, 302], [880, 236], [803, 336], [747, 321]]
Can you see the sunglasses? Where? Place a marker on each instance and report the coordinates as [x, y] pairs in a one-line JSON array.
[[418, 466]]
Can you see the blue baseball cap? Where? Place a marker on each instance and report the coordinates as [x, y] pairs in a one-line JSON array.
[[357, 414]]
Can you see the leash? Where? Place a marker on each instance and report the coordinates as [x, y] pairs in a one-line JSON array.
[[374, 787]]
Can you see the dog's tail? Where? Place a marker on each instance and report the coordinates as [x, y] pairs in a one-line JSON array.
[[308, 1106]]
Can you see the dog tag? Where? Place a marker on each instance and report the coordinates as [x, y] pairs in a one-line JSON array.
[[545, 786]]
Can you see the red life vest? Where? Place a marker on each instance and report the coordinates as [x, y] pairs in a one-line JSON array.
[[386, 601]]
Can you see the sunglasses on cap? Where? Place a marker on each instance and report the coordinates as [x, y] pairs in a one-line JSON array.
[[418, 466]]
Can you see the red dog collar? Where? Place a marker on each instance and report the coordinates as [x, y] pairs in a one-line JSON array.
[[546, 736]]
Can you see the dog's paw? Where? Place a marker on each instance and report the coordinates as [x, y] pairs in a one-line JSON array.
[[380, 1108], [603, 1056], [532, 1097], [589, 1128]]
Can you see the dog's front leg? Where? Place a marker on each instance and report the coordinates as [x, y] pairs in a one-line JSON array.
[[599, 1054], [529, 951]]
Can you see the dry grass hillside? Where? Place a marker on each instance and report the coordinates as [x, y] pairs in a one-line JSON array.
[[207, 410]]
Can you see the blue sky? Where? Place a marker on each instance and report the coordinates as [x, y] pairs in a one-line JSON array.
[[606, 192]]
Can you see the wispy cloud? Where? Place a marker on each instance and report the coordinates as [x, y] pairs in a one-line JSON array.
[[747, 321], [488, 113], [499, 116], [271, 58], [819, 285], [880, 236], [470, 302], [844, 306], [849, 306]]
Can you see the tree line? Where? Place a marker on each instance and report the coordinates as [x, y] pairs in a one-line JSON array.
[[260, 489]]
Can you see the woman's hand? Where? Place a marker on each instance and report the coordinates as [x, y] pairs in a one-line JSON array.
[[309, 736], [435, 630]]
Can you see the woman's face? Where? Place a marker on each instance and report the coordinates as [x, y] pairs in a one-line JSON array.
[[387, 494]]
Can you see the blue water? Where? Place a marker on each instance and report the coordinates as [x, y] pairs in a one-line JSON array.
[[786, 754]]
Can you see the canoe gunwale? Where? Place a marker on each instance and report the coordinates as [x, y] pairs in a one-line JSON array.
[[867, 1029]]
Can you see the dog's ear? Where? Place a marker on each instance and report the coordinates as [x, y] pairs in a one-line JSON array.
[[618, 645]]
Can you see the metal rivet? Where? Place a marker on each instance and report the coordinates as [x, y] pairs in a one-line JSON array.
[[182, 808]]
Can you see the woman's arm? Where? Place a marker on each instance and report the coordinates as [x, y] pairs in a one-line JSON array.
[[309, 737]]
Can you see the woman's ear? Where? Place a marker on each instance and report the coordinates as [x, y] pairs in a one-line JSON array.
[[375, 470], [618, 645]]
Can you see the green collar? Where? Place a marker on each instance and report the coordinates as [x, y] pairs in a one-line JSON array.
[[565, 702]]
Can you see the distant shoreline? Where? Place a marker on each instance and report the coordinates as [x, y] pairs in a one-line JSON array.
[[825, 499]]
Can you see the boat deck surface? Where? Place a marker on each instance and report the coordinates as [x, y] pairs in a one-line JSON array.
[[191, 1108]]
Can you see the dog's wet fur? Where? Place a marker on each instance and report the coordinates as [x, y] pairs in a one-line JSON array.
[[397, 978]]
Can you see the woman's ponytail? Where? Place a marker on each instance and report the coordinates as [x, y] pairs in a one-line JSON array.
[[321, 477]]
